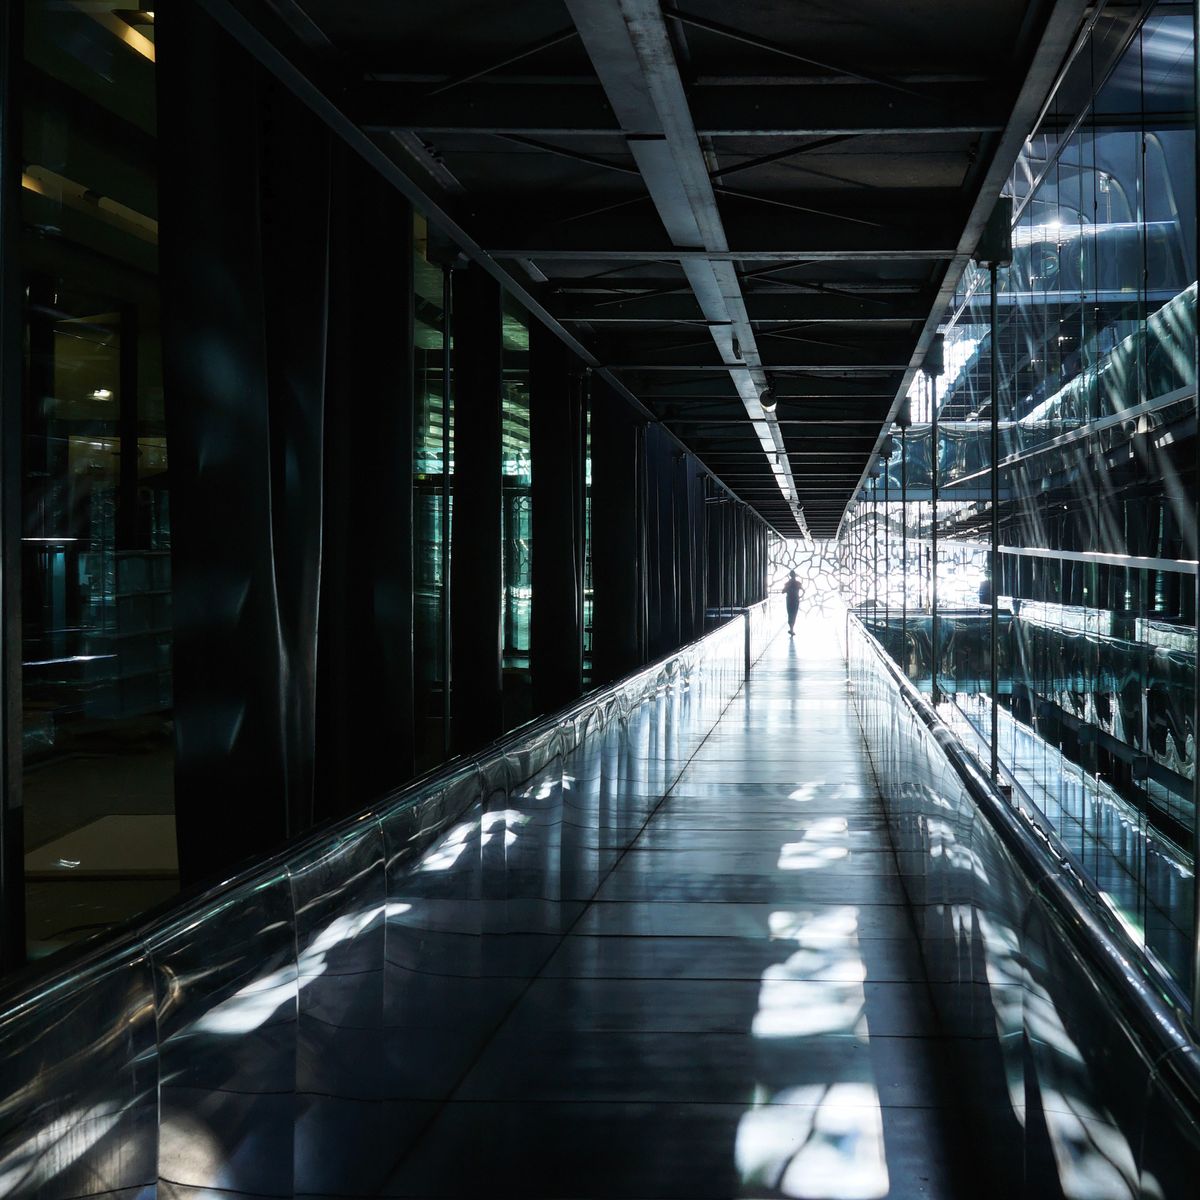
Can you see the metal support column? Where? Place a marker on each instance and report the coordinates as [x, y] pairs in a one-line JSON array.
[[127, 486], [477, 565], [887, 535], [875, 551], [556, 432], [1196, 593], [934, 456], [934, 366], [995, 251], [994, 570], [12, 848], [904, 542], [447, 624]]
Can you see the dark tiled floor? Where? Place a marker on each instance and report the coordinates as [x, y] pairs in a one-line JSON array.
[[741, 1010]]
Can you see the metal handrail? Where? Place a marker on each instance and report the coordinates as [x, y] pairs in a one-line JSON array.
[[43, 978], [1144, 1004]]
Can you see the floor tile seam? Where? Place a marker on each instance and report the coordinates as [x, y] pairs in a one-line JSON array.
[[822, 774], [737, 979], [746, 904], [787, 770], [502, 978], [771, 884], [700, 902], [691, 1102], [743, 982], [750, 829], [705, 937], [650, 1030], [775, 872], [771, 788], [770, 806], [754, 849], [632, 1031], [858, 938], [816, 755], [798, 1043], [662, 884], [841, 866]]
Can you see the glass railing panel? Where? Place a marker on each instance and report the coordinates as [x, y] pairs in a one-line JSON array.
[[294, 1029], [1065, 1022]]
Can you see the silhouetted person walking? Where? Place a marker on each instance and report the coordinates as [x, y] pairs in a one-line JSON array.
[[791, 590]]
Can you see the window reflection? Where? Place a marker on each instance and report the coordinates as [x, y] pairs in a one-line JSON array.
[[96, 586], [517, 469], [433, 471]]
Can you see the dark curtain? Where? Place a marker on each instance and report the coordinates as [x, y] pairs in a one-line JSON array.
[[697, 487], [476, 591], [245, 225], [738, 547], [617, 543], [684, 523], [657, 532], [556, 437], [288, 391], [366, 728], [666, 456], [715, 536]]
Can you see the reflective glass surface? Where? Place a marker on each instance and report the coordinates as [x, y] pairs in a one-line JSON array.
[[96, 531], [517, 470], [1095, 341], [433, 474], [1063, 1091]]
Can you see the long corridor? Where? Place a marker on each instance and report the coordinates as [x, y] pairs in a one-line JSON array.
[[741, 1010]]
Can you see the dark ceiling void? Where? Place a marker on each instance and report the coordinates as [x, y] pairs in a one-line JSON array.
[[749, 218]]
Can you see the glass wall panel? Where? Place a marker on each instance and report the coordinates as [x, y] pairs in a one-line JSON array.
[[96, 572], [433, 472], [1096, 341], [516, 462]]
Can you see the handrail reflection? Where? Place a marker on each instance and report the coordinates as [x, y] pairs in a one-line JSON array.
[[1063, 978]]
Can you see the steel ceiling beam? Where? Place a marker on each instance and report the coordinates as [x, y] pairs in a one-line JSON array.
[[555, 39], [765, 110], [773, 307], [592, 160], [769, 47], [808, 422], [877, 356], [786, 387], [875, 225], [630, 49], [301, 64], [820, 249], [744, 368]]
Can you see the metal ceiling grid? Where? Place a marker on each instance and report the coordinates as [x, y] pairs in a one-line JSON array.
[[749, 219]]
